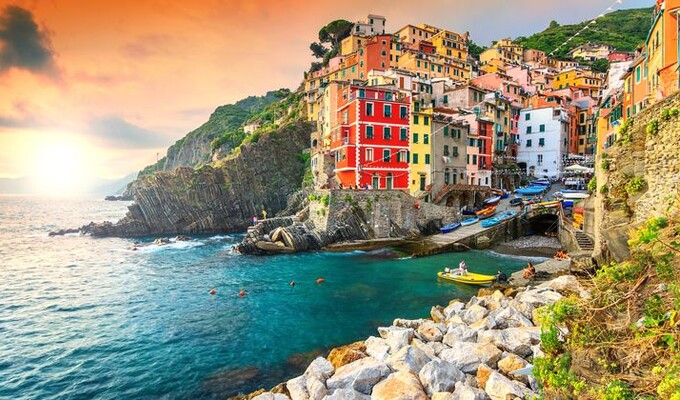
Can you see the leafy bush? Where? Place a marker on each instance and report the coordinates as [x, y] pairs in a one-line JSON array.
[[605, 165], [604, 189], [635, 185], [615, 273], [616, 390], [653, 127], [665, 114], [325, 200], [555, 373], [674, 112], [592, 184]]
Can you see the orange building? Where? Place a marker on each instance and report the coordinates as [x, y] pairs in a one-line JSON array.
[[662, 50]]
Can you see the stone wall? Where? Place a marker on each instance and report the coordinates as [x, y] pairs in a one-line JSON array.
[[335, 216], [654, 157], [220, 197]]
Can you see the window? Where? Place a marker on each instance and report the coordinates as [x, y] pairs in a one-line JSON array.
[[539, 159], [415, 158], [527, 117], [386, 155], [403, 135], [369, 154], [426, 138], [541, 128], [388, 96], [528, 129], [403, 112], [426, 120], [541, 142], [415, 138], [427, 158], [387, 135], [388, 110], [529, 143], [474, 159], [416, 106], [369, 132], [446, 130], [446, 150], [416, 119], [447, 176], [446, 99], [362, 93], [369, 109], [455, 151], [402, 156]]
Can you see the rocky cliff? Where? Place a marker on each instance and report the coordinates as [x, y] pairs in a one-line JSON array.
[[638, 177], [220, 197], [333, 216]]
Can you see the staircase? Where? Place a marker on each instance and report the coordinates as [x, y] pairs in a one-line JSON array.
[[584, 241]]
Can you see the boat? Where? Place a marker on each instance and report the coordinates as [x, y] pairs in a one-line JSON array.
[[575, 194], [486, 211], [471, 211], [545, 204], [531, 190], [500, 192], [507, 215], [505, 195], [515, 201], [451, 227], [492, 201], [470, 278], [488, 215], [469, 221], [540, 182], [487, 223]]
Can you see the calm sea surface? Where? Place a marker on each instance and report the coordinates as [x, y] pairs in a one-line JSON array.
[[84, 318]]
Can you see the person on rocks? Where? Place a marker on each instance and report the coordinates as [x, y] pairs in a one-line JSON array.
[[501, 277], [264, 214], [462, 268], [529, 272]]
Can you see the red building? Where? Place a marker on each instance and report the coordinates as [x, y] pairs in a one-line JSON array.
[[371, 140], [619, 56], [485, 133], [374, 54]]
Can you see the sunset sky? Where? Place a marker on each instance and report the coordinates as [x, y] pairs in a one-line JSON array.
[[96, 88]]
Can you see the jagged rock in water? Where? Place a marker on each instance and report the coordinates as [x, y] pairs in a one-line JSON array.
[[221, 197]]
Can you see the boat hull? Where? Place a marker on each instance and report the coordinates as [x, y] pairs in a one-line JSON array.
[[469, 221], [471, 278], [451, 227]]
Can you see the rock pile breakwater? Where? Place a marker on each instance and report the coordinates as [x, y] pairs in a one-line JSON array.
[[464, 351]]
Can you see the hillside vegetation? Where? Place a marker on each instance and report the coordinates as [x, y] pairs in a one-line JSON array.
[[226, 122], [623, 29]]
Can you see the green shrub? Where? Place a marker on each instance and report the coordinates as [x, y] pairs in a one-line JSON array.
[[550, 340], [653, 127], [555, 373], [635, 185], [604, 156], [325, 199], [605, 165], [604, 189], [674, 112], [665, 114], [616, 273], [592, 184], [616, 390]]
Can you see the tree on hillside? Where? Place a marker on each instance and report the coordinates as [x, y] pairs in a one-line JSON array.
[[553, 24], [334, 32], [318, 50], [474, 49], [601, 65]]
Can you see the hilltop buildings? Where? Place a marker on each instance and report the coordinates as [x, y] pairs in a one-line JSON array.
[[413, 110]]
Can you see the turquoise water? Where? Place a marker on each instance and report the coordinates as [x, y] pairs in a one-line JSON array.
[[82, 318]]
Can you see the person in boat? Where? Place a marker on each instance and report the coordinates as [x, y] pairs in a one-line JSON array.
[[529, 271], [462, 268], [447, 270], [501, 277]]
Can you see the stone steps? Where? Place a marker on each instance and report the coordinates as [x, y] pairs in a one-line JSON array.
[[584, 241]]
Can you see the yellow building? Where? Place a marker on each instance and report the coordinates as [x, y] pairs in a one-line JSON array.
[[504, 50], [451, 44], [420, 148], [351, 44], [579, 78], [494, 66]]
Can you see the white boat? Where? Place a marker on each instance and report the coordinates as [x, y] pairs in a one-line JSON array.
[[575, 194]]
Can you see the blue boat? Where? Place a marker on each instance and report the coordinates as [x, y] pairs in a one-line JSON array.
[[505, 195], [507, 215], [469, 221], [491, 222], [531, 190], [451, 227]]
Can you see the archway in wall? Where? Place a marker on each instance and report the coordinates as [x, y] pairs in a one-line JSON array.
[[544, 224]]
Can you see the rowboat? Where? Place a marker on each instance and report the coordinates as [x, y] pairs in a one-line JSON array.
[[531, 190], [516, 201], [540, 182], [472, 211], [487, 223], [486, 211], [545, 204], [469, 221], [451, 227], [507, 215], [492, 201], [575, 194], [487, 216], [470, 278]]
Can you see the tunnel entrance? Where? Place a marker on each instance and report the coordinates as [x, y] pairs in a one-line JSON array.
[[544, 224]]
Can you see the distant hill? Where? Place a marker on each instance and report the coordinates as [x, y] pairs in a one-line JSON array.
[[194, 149], [623, 29]]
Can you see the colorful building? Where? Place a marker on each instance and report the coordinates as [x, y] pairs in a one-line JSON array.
[[543, 137], [370, 142], [420, 147], [591, 51], [662, 50]]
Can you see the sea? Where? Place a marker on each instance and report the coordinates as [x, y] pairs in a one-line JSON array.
[[88, 318]]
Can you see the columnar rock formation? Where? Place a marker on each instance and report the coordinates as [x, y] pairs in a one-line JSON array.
[[219, 197], [470, 350]]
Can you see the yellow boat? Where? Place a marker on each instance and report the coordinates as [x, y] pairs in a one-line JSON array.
[[470, 278]]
